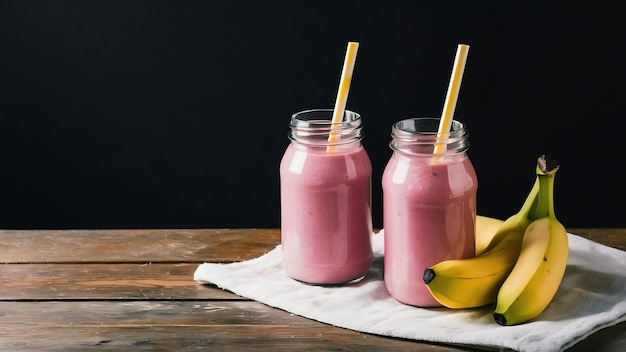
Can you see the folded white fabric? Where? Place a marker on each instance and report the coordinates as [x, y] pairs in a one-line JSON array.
[[592, 296]]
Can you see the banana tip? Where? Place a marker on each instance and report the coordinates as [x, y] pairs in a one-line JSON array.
[[500, 319], [429, 275]]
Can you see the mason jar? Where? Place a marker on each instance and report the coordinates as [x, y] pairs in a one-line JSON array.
[[325, 194], [429, 205]]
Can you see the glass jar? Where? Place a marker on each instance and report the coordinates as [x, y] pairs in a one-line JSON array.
[[429, 205], [325, 185]]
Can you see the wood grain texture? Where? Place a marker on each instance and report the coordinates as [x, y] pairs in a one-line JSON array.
[[135, 246], [202, 338], [104, 281], [177, 326], [172, 246], [133, 290], [189, 325], [615, 238]]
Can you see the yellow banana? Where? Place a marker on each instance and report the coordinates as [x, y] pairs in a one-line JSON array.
[[538, 272], [486, 228], [474, 282]]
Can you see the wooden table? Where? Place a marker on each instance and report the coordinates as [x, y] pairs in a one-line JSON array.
[[116, 290]]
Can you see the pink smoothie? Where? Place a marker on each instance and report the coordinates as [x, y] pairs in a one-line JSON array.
[[326, 214], [429, 216]]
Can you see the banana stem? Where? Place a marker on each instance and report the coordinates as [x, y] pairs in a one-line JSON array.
[[546, 171], [532, 208], [545, 198]]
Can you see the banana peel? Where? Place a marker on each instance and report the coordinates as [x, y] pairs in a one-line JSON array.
[[486, 228]]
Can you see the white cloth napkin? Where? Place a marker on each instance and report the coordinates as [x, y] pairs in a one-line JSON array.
[[592, 296]]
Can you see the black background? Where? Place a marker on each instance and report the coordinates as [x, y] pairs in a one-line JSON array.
[[173, 114]]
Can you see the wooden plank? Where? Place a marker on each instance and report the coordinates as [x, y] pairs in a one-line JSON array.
[[189, 325], [174, 326], [135, 246], [104, 281], [214, 338], [615, 238], [178, 326], [191, 246], [611, 339], [146, 313]]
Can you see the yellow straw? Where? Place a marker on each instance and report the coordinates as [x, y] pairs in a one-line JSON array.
[[344, 87], [453, 93]]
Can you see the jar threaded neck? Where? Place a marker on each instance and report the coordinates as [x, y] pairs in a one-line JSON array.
[[419, 136], [314, 127]]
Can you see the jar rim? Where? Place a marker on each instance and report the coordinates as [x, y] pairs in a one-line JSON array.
[[322, 118], [418, 135], [314, 127], [427, 126]]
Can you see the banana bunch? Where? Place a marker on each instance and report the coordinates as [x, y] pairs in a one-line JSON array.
[[509, 266], [538, 272], [474, 282]]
